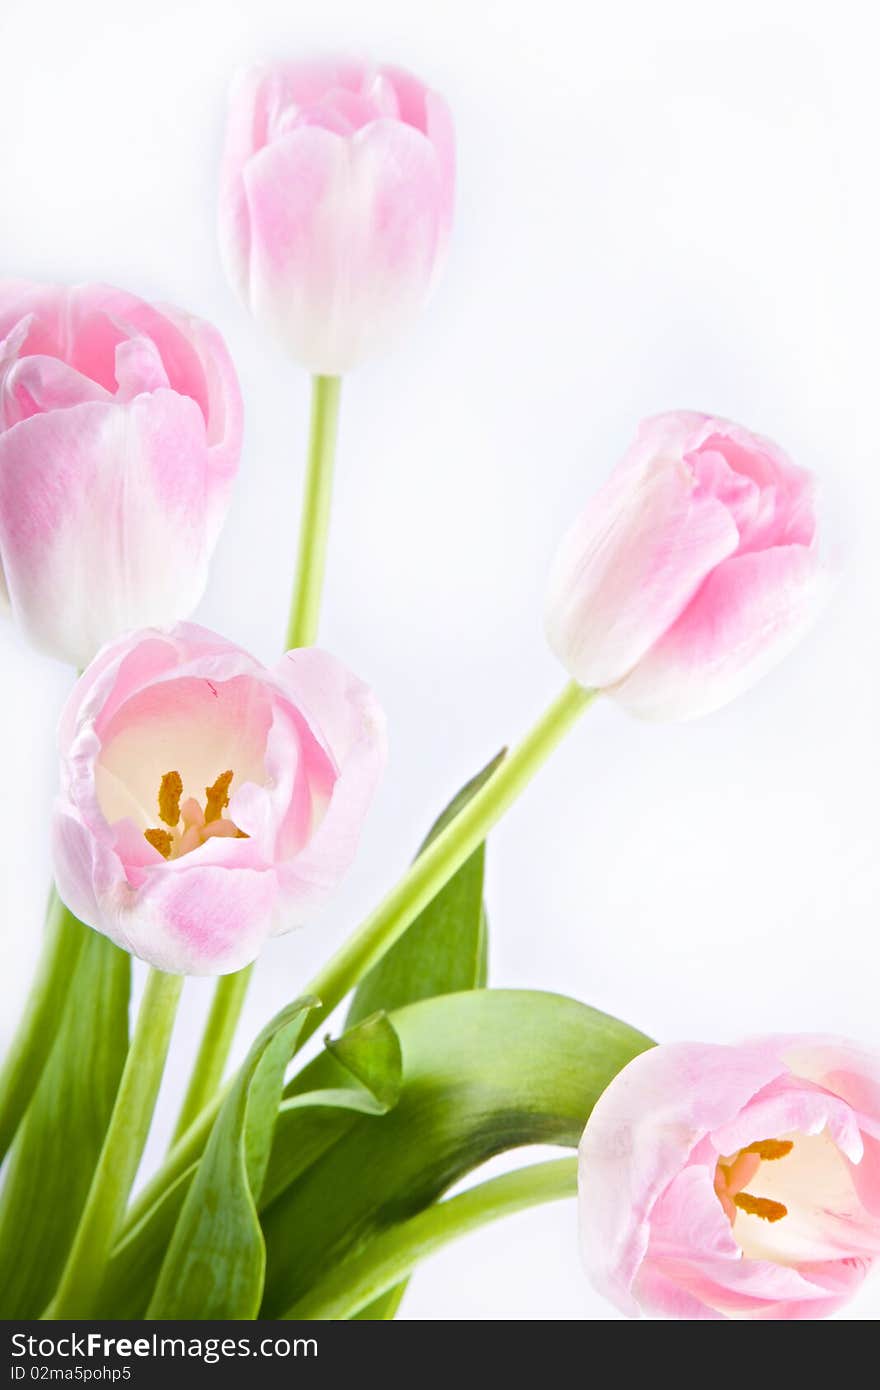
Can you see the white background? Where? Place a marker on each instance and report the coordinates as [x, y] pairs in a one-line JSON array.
[[659, 206]]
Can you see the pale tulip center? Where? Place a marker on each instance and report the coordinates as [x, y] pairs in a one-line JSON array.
[[186, 823], [793, 1199], [733, 1174]]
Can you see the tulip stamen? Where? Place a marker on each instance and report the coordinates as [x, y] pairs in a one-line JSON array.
[[198, 825], [170, 792], [765, 1207], [217, 797], [160, 840], [770, 1149]]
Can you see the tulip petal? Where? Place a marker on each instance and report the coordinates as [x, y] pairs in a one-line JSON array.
[[103, 519], [640, 1136], [346, 719], [630, 566], [344, 237], [750, 613]]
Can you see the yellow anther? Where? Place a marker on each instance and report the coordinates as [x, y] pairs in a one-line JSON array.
[[160, 840], [217, 797], [170, 792], [768, 1149], [760, 1206]]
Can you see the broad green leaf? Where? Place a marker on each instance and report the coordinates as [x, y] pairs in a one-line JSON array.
[[366, 1284], [384, 1308], [214, 1264], [35, 1035], [484, 1071], [308, 1123], [444, 950], [58, 1143]]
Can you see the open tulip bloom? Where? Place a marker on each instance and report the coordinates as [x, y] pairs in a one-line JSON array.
[[209, 802]]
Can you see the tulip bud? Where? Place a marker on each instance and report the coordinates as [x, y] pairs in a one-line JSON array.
[[208, 803], [336, 204], [691, 573], [120, 435], [734, 1182]]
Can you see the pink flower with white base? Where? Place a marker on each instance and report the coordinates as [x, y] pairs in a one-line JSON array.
[[691, 573], [734, 1182], [120, 435], [208, 802], [335, 204]]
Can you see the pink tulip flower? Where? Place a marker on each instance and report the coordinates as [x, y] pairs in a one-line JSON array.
[[120, 434], [335, 205], [734, 1182], [207, 802], [691, 573]]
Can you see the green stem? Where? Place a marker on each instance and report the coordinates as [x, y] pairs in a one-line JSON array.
[[444, 856], [314, 526], [33, 1041], [216, 1041], [302, 630], [391, 1256], [123, 1147], [419, 885]]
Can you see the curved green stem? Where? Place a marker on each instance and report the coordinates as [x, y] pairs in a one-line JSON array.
[[418, 886], [33, 1041], [302, 630], [123, 1147], [216, 1041], [444, 856], [391, 1256]]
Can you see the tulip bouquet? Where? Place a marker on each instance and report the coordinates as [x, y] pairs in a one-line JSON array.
[[208, 802]]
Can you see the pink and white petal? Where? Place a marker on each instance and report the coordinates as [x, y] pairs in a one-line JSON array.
[[688, 1221], [45, 307], [121, 668], [87, 873], [224, 405], [205, 920], [339, 708], [640, 1136], [659, 439], [101, 317], [764, 1291], [345, 234], [139, 368], [427, 111], [865, 1176], [103, 520], [786, 1106], [659, 1296], [630, 565], [750, 613], [840, 1066], [34, 385], [344, 717]]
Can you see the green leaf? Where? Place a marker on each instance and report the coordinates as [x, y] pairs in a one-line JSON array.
[[445, 949], [58, 1143], [385, 1308], [214, 1264], [35, 1035], [371, 1052], [366, 1284], [311, 1119], [484, 1071], [308, 1124]]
